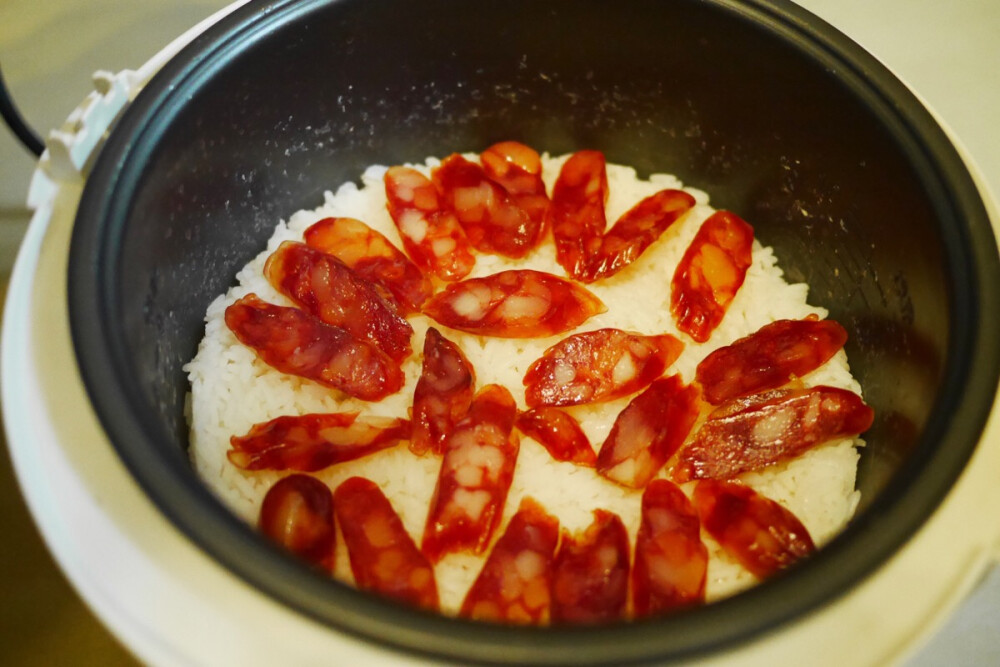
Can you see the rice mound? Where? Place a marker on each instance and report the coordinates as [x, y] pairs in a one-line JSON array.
[[231, 389]]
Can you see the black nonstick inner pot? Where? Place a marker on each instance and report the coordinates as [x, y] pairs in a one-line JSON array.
[[776, 115]]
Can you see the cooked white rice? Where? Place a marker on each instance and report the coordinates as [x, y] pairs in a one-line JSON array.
[[231, 389]]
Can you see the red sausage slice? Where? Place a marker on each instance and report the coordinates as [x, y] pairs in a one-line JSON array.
[[314, 441], [326, 287], [648, 432], [769, 358], [760, 430], [478, 466], [761, 534], [710, 273], [671, 561], [633, 233], [597, 366], [518, 168], [431, 234], [590, 577], [576, 211], [514, 304], [514, 584], [295, 342], [442, 395], [373, 257], [297, 513], [578, 220], [559, 433], [384, 558], [493, 220]]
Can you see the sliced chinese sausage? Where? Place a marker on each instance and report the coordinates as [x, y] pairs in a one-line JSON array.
[[559, 433], [757, 431], [518, 168], [758, 532], [493, 220], [384, 558], [314, 441], [326, 287], [476, 472], [431, 234], [597, 366], [514, 584], [373, 257], [578, 220], [297, 513], [710, 273], [295, 342], [648, 432], [442, 395], [513, 304], [633, 232], [576, 211], [671, 562], [769, 358], [590, 575]]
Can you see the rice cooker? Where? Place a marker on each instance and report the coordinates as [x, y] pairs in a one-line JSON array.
[[170, 603]]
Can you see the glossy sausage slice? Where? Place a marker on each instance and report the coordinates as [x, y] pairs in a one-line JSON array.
[[326, 287], [295, 342], [576, 212], [431, 234], [442, 395], [590, 576], [493, 220], [373, 257], [671, 561], [514, 584], [479, 458], [710, 273], [597, 366], [761, 534], [648, 432], [559, 433], [757, 431], [314, 441], [769, 358], [518, 168], [514, 304], [633, 232], [297, 513], [384, 558]]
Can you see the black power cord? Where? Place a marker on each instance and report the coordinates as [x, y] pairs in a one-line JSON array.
[[16, 122]]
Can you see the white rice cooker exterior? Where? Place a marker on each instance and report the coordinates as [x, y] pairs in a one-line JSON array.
[[171, 604]]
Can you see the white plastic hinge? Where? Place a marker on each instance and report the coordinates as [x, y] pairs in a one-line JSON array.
[[70, 149], [71, 146]]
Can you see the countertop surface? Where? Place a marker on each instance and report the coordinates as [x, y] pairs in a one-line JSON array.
[[947, 52]]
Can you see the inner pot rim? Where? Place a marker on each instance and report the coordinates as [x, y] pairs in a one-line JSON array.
[[957, 419]]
